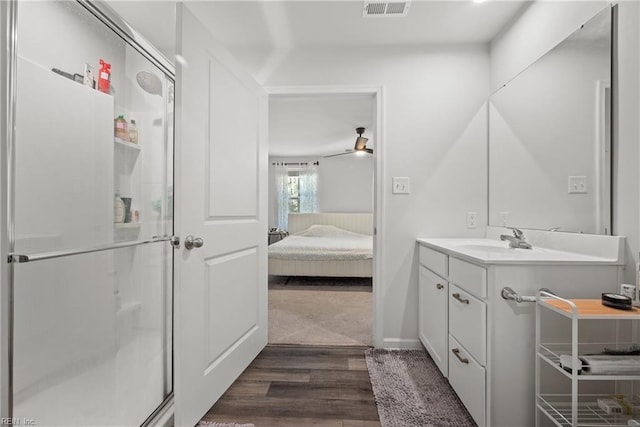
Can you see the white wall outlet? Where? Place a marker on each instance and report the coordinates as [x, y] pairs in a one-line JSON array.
[[472, 219], [577, 184], [504, 218], [400, 185]]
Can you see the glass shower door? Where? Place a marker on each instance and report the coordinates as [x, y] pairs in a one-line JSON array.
[[92, 220]]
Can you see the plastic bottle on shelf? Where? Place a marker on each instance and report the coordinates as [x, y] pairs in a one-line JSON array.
[[133, 132], [118, 209], [104, 77], [121, 128]]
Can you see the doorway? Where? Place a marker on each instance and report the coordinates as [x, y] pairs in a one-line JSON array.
[[312, 130]]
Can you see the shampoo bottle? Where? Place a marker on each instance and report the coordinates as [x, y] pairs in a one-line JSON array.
[[118, 209], [121, 128], [104, 77], [133, 132]]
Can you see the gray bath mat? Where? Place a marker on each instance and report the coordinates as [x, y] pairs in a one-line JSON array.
[[410, 391]]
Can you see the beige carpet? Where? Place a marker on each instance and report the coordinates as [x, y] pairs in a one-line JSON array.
[[320, 317]]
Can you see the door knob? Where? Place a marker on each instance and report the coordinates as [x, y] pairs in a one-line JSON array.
[[191, 242]]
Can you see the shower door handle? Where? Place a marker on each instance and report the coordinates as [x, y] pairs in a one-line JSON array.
[[191, 242], [17, 258]]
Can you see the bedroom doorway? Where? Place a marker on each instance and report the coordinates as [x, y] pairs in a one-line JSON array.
[[322, 205]]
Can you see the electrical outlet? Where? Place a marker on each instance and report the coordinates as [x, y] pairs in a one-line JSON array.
[[400, 185], [577, 184], [504, 218], [472, 219]]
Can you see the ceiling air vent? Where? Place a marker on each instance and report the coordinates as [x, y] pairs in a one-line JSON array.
[[379, 9]]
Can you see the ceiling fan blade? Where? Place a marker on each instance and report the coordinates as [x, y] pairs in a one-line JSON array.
[[339, 154]]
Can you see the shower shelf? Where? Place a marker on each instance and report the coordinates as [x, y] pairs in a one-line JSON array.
[[122, 143], [128, 225]]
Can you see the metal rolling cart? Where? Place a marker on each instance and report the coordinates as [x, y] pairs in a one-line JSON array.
[[578, 402]]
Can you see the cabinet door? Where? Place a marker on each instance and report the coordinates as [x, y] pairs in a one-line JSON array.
[[433, 316]]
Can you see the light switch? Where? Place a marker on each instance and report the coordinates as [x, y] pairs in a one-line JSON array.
[[577, 184], [400, 185]]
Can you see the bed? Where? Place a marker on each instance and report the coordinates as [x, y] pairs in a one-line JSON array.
[[325, 245]]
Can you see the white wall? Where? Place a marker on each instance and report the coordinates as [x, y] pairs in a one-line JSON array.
[[542, 26], [434, 132], [345, 184]]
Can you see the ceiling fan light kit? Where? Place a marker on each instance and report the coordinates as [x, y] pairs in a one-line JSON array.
[[360, 146]]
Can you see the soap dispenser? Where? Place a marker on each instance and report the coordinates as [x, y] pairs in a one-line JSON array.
[[118, 209]]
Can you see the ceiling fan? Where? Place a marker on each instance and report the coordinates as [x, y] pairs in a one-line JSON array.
[[359, 148]]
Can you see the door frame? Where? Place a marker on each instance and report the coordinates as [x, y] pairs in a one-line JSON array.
[[378, 179], [8, 95], [8, 58]]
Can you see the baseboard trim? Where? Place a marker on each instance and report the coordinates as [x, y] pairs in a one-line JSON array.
[[399, 343]]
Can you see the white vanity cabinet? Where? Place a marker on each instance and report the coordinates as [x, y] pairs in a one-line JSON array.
[[452, 315], [484, 344]]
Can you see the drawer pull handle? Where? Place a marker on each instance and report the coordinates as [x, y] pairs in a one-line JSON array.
[[439, 285], [456, 352], [462, 300]]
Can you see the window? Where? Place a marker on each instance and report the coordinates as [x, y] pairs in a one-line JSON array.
[[297, 190], [293, 186]]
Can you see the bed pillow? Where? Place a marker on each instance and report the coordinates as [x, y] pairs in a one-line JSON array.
[[325, 231]]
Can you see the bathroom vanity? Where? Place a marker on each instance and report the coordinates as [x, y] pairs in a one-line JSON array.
[[485, 344]]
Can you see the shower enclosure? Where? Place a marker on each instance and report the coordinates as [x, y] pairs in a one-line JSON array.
[[90, 219]]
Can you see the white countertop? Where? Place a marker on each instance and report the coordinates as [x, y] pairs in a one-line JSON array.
[[493, 251]]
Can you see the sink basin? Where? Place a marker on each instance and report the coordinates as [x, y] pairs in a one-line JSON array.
[[487, 248], [548, 248], [495, 251]]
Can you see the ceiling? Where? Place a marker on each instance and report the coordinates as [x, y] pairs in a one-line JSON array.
[[339, 23], [301, 126], [285, 24], [322, 125]]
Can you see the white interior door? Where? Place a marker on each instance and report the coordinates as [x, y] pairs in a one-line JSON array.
[[221, 175]]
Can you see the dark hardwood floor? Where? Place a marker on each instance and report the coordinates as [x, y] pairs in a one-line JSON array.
[[289, 386]]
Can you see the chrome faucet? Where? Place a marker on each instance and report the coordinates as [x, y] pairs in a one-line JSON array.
[[517, 240]]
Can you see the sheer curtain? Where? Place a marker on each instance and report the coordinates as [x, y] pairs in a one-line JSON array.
[[305, 192], [308, 179], [282, 192]]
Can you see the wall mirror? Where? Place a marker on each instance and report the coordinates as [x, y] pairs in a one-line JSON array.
[[550, 138]]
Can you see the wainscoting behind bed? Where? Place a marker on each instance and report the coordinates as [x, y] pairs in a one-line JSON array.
[[357, 222], [361, 223]]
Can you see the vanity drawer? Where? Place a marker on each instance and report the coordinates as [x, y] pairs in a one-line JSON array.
[[468, 379], [434, 261], [469, 277], [468, 322]]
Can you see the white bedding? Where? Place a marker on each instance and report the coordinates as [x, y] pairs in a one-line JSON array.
[[323, 243]]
